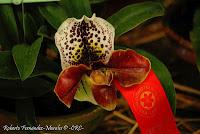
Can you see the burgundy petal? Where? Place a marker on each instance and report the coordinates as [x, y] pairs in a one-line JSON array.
[[67, 83], [105, 96], [129, 67]]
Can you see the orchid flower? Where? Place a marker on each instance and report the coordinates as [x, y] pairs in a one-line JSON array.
[[87, 55]]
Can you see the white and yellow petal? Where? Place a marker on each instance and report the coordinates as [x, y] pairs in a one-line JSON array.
[[85, 41]]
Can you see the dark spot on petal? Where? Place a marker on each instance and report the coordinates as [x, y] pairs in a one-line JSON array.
[[81, 45], [71, 41]]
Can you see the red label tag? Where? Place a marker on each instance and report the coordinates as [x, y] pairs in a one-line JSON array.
[[150, 106]]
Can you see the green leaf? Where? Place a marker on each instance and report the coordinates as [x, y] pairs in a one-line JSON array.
[[51, 76], [7, 66], [38, 18], [164, 76], [29, 31], [4, 40], [97, 1], [26, 114], [8, 25], [77, 8], [84, 92], [53, 13], [195, 36], [17, 89], [25, 57], [9, 71], [17, 2], [132, 15]]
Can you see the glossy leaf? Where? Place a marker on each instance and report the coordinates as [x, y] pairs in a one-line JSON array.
[[77, 8], [17, 89], [8, 25], [53, 13], [195, 36], [26, 114], [25, 57], [9, 71], [164, 76], [132, 15]]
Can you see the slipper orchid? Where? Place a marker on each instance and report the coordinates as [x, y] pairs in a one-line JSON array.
[[91, 65]]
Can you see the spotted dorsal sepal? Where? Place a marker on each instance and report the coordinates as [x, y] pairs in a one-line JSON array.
[[85, 41]]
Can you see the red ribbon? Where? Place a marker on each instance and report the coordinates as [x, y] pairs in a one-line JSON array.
[[150, 106]]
